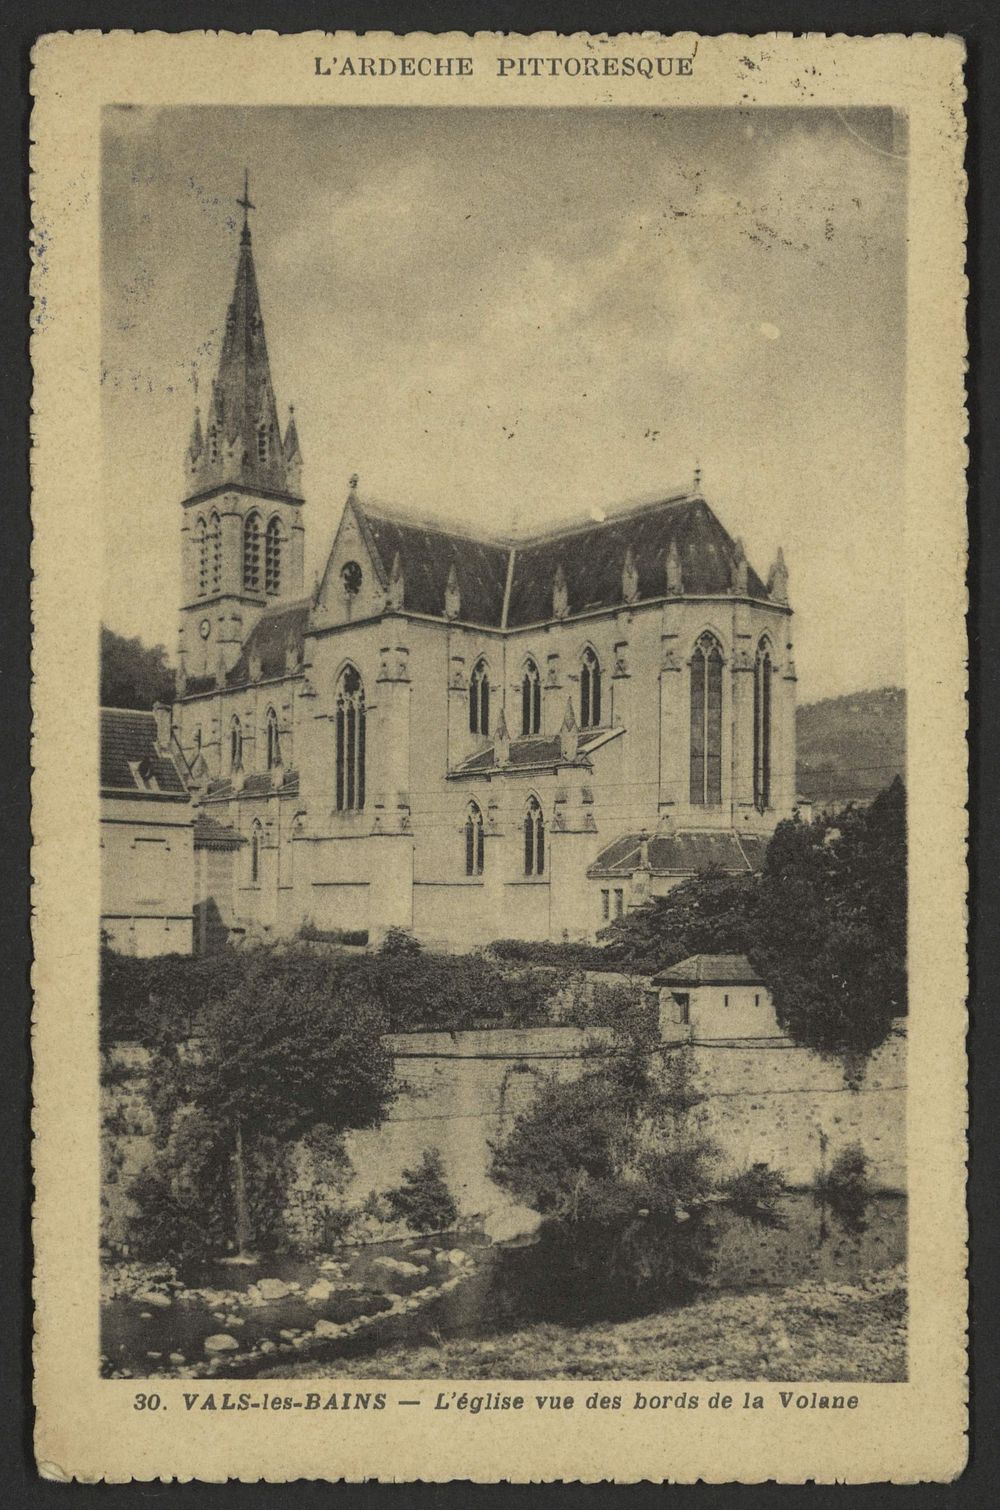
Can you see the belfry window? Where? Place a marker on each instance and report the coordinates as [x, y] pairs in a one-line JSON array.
[[531, 699], [350, 740], [706, 722], [272, 556], [215, 550], [273, 740], [256, 845], [762, 677], [201, 551], [534, 838], [474, 843], [251, 554], [479, 699], [235, 744], [590, 690]]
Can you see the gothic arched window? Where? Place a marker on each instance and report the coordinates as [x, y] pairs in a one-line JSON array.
[[474, 844], [534, 838], [256, 845], [350, 726], [531, 699], [762, 676], [479, 699], [251, 553], [272, 556], [590, 690], [201, 551], [273, 740], [235, 744], [215, 550], [706, 722]]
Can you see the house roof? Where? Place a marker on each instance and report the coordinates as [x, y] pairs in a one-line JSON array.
[[209, 833], [257, 785], [684, 853], [427, 555], [276, 639], [710, 970], [534, 751], [131, 764]]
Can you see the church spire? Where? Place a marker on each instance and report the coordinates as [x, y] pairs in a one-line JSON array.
[[243, 442]]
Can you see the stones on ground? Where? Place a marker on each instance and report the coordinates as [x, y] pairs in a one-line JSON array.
[[289, 1334], [398, 1266], [508, 1223], [456, 1256], [274, 1289], [326, 1329], [421, 1252], [267, 1346], [218, 1316], [177, 1358], [145, 1315], [220, 1342], [321, 1290], [154, 1298]]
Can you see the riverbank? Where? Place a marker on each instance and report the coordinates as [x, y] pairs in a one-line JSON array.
[[805, 1332]]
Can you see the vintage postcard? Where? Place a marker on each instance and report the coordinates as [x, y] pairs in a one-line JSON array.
[[499, 798]]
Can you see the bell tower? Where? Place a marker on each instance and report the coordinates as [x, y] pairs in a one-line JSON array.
[[241, 517]]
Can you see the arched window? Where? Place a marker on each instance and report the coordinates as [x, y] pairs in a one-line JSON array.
[[706, 722], [256, 845], [590, 690], [273, 741], [479, 699], [235, 744], [201, 551], [534, 838], [474, 846], [272, 556], [350, 721], [531, 699], [215, 549], [762, 674], [251, 553]]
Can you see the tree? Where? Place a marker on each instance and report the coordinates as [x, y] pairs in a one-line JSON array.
[[829, 934], [133, 675], [710, 913], [422, 1199], [278, 1055]]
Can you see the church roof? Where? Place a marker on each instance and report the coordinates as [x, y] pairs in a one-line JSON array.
[[275, 641], [683, 853], [131, 763], [535, 751], [507, 584]]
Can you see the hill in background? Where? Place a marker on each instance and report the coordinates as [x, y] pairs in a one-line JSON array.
[[851, 747]]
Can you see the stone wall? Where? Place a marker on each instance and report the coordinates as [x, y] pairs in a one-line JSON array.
[[458, 1091]]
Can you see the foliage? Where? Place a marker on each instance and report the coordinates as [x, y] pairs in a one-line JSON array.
[[415, 989], [847, 1177], [422, 1200], [133, 675], [310, 934], [830, 926], [710, 913], [756, 1188], [564, 956]]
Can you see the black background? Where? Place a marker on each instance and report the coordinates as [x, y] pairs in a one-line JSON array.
[[974, 20]]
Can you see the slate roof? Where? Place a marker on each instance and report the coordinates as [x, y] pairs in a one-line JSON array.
[[533, 751], [427, 554], [683, 853], [257, 785], [129, 735], [277, 631], [709, 970], [209, 833]]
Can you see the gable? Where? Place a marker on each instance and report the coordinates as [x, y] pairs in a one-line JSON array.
[[354, 550]]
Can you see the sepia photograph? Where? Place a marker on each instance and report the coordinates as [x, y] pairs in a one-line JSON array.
[[503, 758]]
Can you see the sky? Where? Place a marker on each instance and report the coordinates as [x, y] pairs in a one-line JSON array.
[[512, 318]]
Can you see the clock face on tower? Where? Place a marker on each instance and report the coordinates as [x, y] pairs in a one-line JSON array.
[[204, 629]]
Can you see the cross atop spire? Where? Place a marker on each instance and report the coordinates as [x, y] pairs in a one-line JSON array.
[[246, 205]]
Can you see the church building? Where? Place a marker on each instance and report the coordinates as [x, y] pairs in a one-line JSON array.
[[462, 735]]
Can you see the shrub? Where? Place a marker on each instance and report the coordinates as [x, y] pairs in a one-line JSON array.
[[846, 1179], [756, 1188], [310, 934], [422, 1200]]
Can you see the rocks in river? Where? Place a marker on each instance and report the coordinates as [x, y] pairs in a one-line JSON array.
[[274, 1289], [289, 1334], [680, 1215], [398, 1266], [331, 1266], [145, 1315], [154, 1298], [177, 1358], [456, 1256], [218, 1315], [321, 1290], [267, 1346], [325, 1329], [508, 1223], [220, 1342], [234, 1321], [421, 1252], [154, 1355]]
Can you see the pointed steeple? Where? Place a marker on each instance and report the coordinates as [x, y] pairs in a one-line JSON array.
[[243, 442]]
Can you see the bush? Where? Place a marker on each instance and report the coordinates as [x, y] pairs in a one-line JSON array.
[[756, 1188], [310, 934], [846, 1179], [422, 1200]]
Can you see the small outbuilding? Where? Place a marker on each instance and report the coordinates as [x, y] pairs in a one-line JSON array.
[[714, 996]]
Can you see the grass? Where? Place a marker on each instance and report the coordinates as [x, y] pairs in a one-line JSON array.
[[806, 1332]]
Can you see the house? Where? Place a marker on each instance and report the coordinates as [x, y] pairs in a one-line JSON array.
[[714, 996], [460, 734], [146, 829]]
